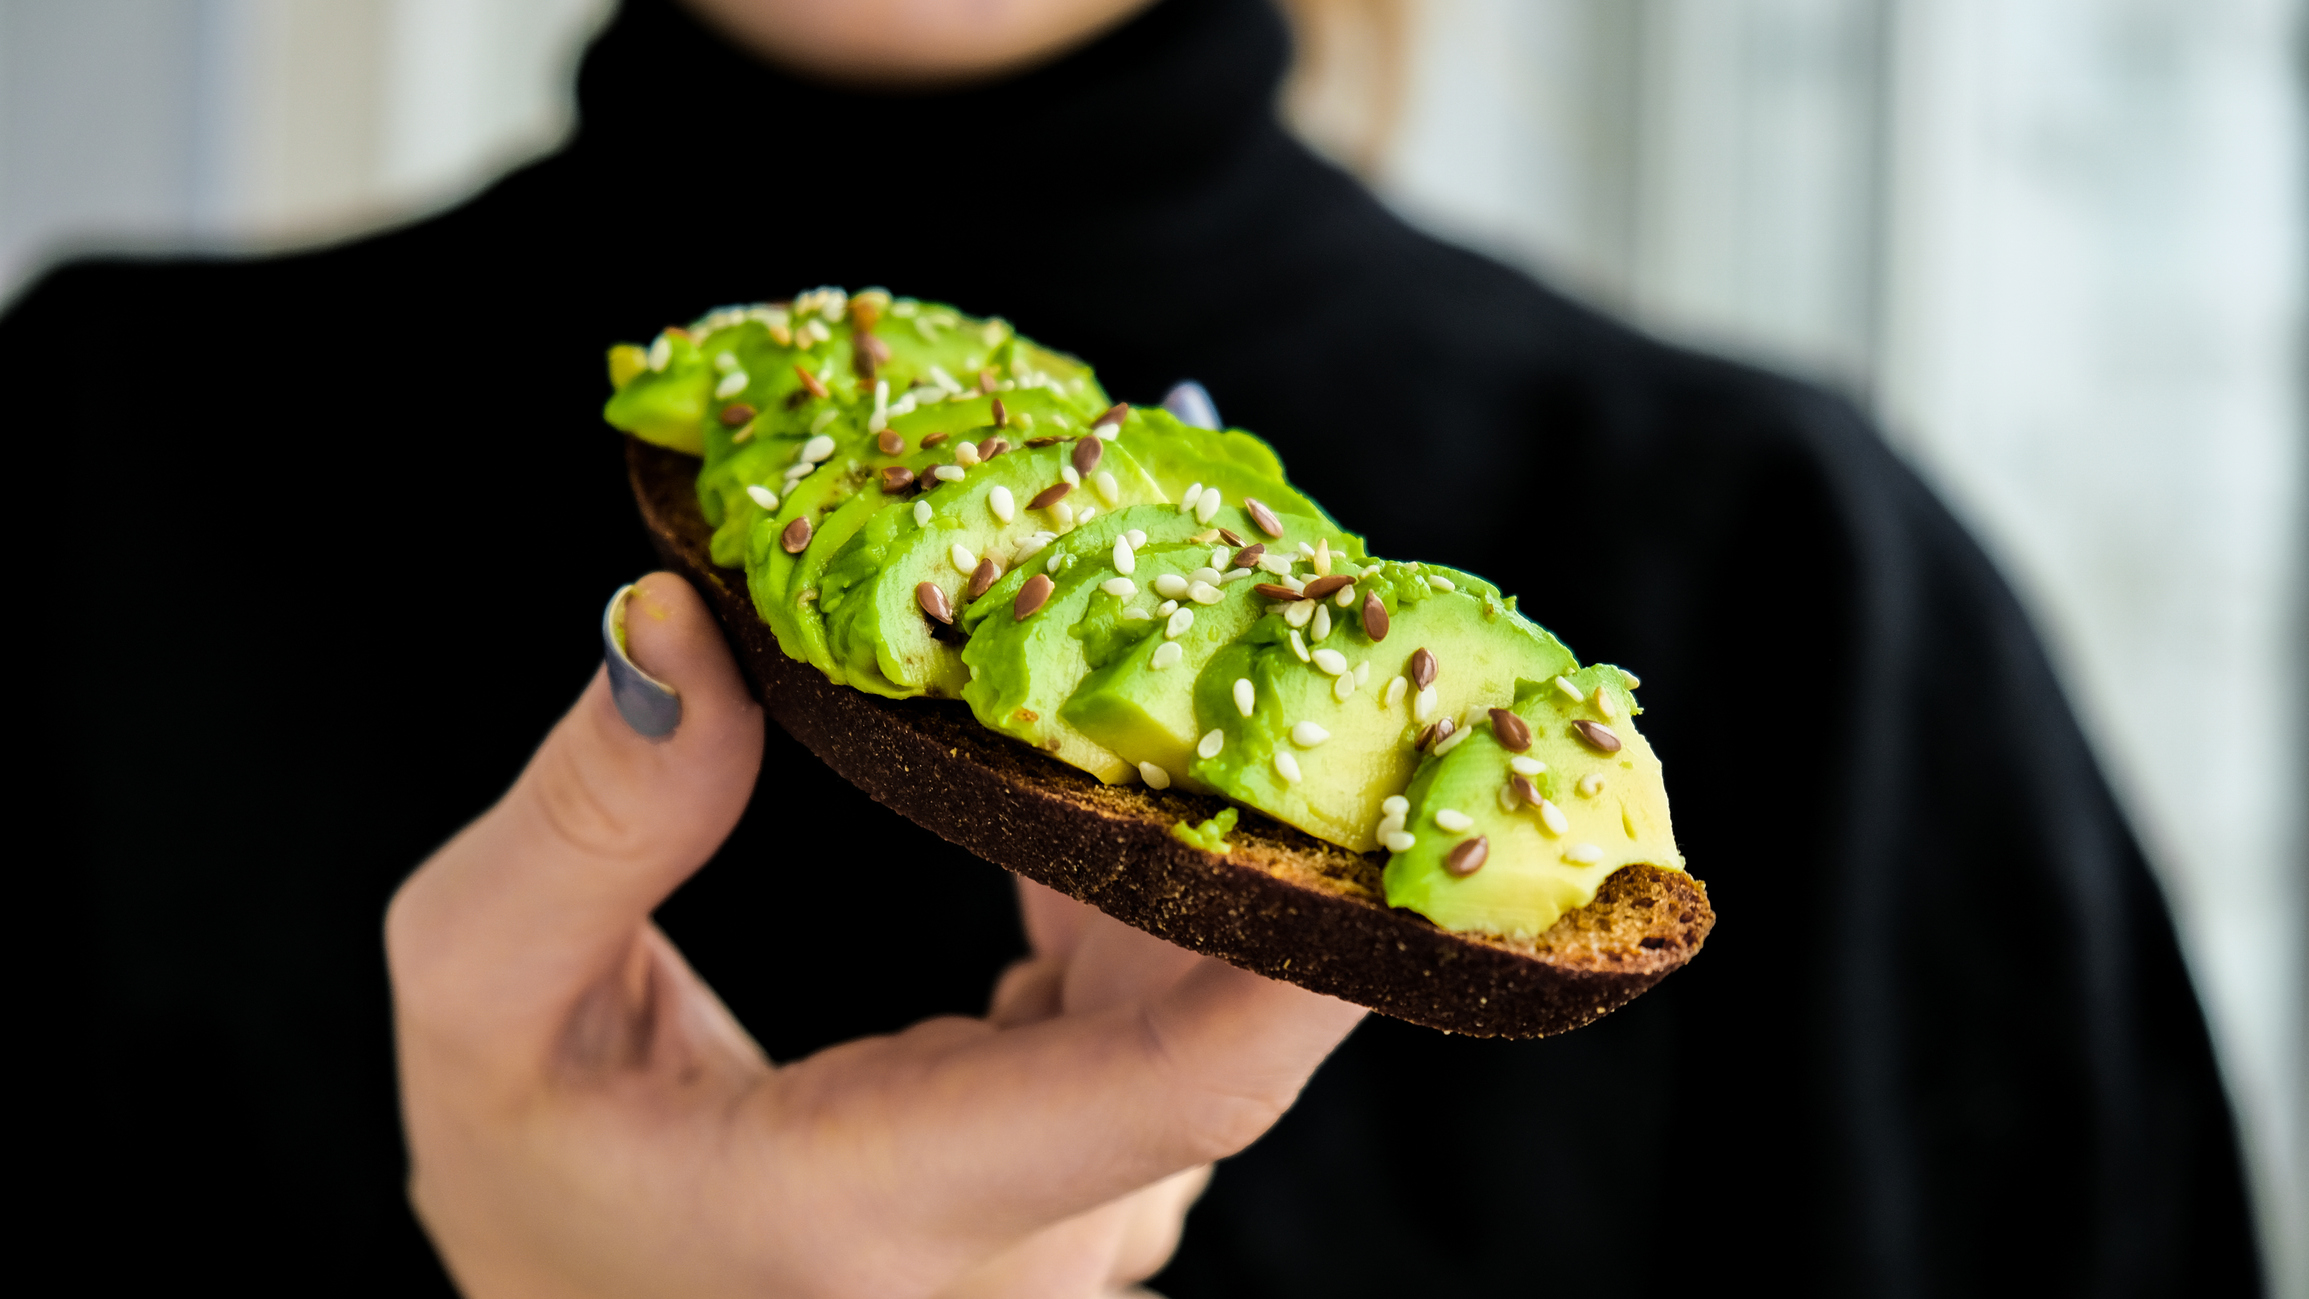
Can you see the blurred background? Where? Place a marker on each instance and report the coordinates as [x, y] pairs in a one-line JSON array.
[[2056, 247]]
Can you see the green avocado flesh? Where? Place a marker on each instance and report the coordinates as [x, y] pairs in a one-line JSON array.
[[869, 459]]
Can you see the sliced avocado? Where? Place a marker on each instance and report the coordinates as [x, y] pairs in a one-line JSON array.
[[1142, 708], [876, 631], [1180, 456], [1480, 645], [1599, 811]]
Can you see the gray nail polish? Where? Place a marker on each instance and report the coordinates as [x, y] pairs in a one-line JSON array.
[[1192, 403], [647, 704]]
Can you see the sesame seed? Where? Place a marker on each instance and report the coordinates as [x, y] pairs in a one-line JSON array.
[[809, 382], [983, 576], [1395, 691], [999, 501], [1187, 502], [1307, 550], [1287, 767], [1108, 490], [1374, 617], [1219, 558], [1049, 496], [1263, 516], [1440, 583], [921, 514], [878, 422], [762, 496], [1213, 741], [1086, 454], [1166, 656], [1525, 766], [1307, 735], [1067, 475], [817, 449], [947, 473], [1298, 646], [1062, 514], [1631, 679], [1056, 558], [1331, 661], [1343, 689], [1454, 820], [1155, 777], [1299, 612], [1170, 586], [1423, 668], [1553, 818], [1423, 707], [965, 453], [1180, 621], [1208, 505], [1583, 854], [1246, 696], [1322, 624], [1166, 608], [1134, 615], [890, 442], [1510, 730], [795, 473], [1234, 575], [1450, 742], [1136, 537], [796, 537], [819, 421], [732, 384], [1345, 598], [1401, 842], [1204, 593], [1569, 690], [660, 352], [1597, 735], [1468, 857], [1280, 565], [1112, 417], [1590, 785], [1121, 588], [1395, 805], [934, 602], [735, 414], [1031, 597], [964, 561], [1124, 561], [1603, 704]]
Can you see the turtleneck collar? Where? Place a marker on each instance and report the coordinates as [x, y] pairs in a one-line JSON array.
[[1172, 85]]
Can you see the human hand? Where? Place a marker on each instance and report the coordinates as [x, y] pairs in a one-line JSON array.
[[585, 1117]]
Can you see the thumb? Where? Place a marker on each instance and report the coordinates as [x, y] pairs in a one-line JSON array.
[[528, 905]]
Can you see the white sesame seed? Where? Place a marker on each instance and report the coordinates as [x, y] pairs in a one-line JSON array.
[[1121, 588], [1088, 511], [964, 561], [1061, 514], [1440, 583], [763, 496], [1298, 612], [1028, 548], [880, 419], [732, 384], [1279, 565], [1135, 615], [1322, 621], [1343, 689], [1000, 502], [1457, 822], [1307, 550], [1246, 696], [1330, 660], [1187, 502], [819, 421], [965, 453], [947, 473], [1553, 817], [726, 362], [660, 352], [1423, 707], [1395, 805], [1590, 785], [1071, 478], [1204, 593], [1180, 621], [1451, 741], [1155, 777], [1213, 741], [1387, 825], [1323, 558], [1108, 491], [1345, 597], [1124, 561], [1287, 767], [1298, 646], [1570, 691], [1631, 679], [1509, 799], [921, 514], [1234, 575], [1056, 558], [817, 448], [1583, 854], [796, 473], [1208, 506], [1308, 734], [1170, 586], [1401, 842], [1166, 608], [1523, 765], [1108, 432], [1136, 537], [1362, 674], [1603, 704]]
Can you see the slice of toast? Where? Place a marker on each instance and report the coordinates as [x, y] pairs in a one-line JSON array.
[[1278, 901]]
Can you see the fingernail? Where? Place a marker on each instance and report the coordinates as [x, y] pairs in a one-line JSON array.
[[1192, 403], [647, 704]]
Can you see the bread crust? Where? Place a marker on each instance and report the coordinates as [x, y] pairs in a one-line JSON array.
[[1278, 902]]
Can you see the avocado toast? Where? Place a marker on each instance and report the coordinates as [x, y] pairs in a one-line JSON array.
[[1123, 657]]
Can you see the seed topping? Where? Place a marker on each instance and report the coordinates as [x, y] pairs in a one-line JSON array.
[[735, 414], [1180, 621], [1247, 557], [1246, 696], [1044, 441], [1526, 766], [1400, 841], [1454, 820], [991, 448], [1154, 776], [1121, 588], [1510, 730], [1423, 668], [934, 602], [1525, 791], [1086, 455], [933, 439], [1031, 597], [1468, 857], [1050, 496], [889, 442], [1451, 741], [999, 501], [1330, 660], [1395, 691], [1323, 586], [921, 514], [1597, 735], [1263, 516], [1124, 561], [983, 576], [810, 382], [1374, 617], [1270, 591], [1166, 656], [762, 496], [1583, 854], [1287, 767], [1553, 818], [1308, 734], [1112, 418]]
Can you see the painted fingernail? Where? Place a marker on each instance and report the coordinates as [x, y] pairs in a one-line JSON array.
[[1192, 403], [647, 704]]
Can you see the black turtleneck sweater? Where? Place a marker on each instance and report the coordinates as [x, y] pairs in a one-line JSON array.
[[316, 544]]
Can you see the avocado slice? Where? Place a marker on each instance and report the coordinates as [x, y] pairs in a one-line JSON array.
[[1599, 810], [1143, 708], [1362, 751], [876, 632], [1180, 456]]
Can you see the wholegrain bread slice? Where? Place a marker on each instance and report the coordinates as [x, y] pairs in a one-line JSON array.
[[1277, 901]]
